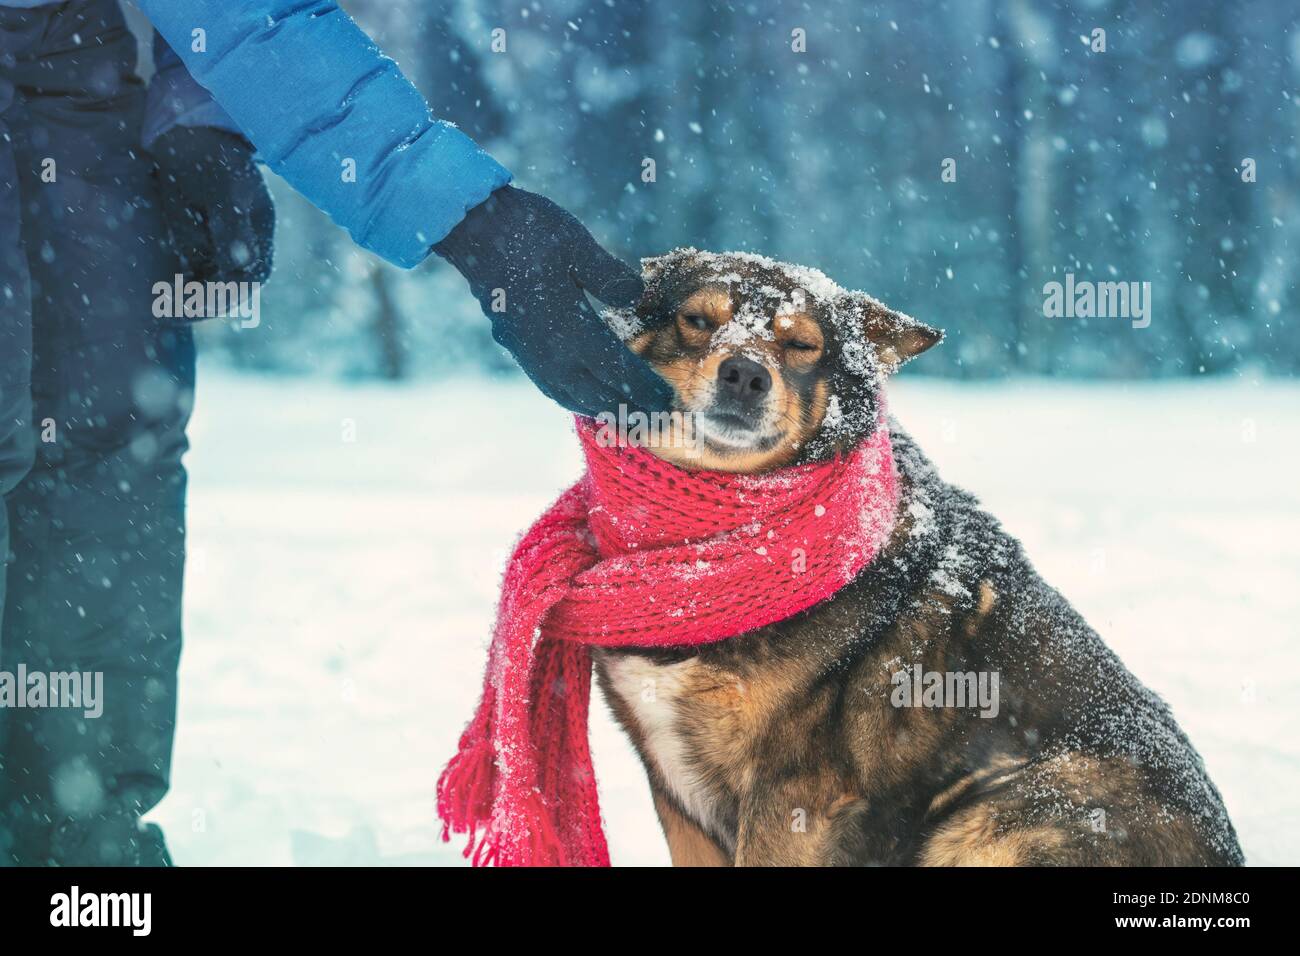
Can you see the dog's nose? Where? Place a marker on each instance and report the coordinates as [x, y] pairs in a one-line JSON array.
[[743, 379]]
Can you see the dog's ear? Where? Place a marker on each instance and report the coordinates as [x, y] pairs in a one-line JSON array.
[[896, 337]]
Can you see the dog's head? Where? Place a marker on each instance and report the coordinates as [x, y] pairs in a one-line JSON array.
[[775, 364]]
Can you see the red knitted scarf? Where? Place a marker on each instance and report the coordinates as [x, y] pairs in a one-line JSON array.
[[639, 553]]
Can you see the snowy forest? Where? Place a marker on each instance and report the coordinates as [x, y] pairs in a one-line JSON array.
[[951, 157], [365, 457]]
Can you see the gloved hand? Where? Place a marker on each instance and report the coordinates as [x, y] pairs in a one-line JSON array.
[[113, 837], [543, 259], [216, 204]]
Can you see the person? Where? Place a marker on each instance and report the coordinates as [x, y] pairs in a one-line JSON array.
[[333, 116], [95, 392]]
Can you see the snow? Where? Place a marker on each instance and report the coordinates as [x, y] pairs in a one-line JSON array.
[[347, 542]]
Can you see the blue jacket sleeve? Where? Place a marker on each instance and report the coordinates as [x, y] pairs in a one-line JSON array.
[[175, 99], [333, 116]]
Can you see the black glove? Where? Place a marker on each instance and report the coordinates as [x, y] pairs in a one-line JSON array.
[[216, 204], [543, 259], [114, 837]]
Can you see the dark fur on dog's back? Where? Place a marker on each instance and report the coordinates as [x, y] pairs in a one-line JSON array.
[[782, 746]]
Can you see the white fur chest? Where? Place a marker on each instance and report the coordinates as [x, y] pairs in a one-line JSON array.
[[651, 692]]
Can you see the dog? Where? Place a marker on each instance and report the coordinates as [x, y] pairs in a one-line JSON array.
[[838, 736]]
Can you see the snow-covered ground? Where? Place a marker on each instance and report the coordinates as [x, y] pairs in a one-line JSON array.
[[347, 541]]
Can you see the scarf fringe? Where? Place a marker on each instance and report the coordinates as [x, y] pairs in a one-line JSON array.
[[465, 791], [522, 835]]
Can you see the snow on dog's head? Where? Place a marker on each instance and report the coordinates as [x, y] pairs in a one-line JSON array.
[[775, 363]]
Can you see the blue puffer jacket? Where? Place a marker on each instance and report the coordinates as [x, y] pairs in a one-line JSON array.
[[333, 116]]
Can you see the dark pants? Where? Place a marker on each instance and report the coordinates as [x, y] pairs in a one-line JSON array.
[[94, 398]]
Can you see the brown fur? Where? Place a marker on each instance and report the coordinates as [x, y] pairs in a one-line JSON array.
[[782, 746]]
